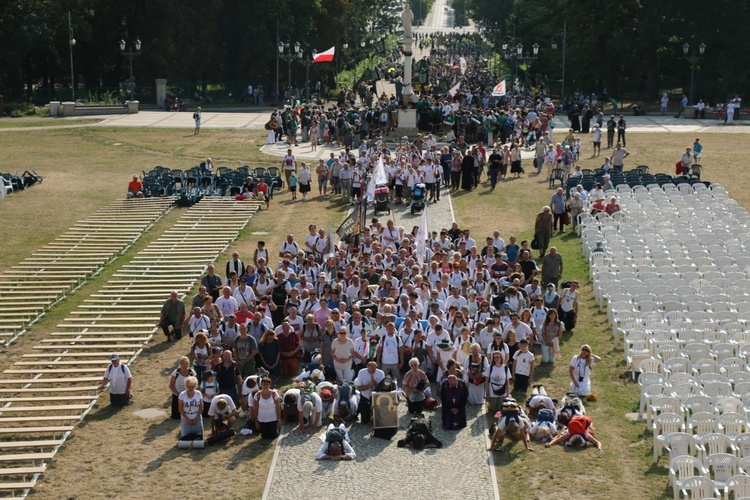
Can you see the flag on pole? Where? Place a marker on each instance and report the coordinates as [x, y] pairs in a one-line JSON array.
[[422, 237], [330, 251], [370, 192], [462, 64], [326, 56], [352, 225], [454, 90], [499, 89]]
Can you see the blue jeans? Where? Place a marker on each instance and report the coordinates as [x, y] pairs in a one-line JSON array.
[[336, 185], [547, 354], [493, 176]]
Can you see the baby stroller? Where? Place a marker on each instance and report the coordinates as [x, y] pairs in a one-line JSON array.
[[382, 200], [418, 197]]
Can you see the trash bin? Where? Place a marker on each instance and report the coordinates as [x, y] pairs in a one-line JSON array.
[[54, 108]]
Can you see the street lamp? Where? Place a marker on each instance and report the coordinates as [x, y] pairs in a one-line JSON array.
[[306, 61], [528, 58], [133, 51], [289, 52], [71, 43], [564, 36], [692, 59]]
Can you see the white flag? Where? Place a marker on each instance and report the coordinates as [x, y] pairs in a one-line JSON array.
[[370, 193], [330, 250], [422, 237], [462, 63], [499, 89], [380, 178], [453, 91]]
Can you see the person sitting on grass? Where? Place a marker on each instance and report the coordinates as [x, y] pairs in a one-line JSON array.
[[579, 432]]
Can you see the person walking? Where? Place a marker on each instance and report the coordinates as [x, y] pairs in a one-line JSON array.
[[558, 209], [552, 267], [683, 105], [543, 229]]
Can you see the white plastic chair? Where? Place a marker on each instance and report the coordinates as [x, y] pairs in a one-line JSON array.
[[668, 352], [698, 487], [733, 424], [742, 445], [679, 444], [738, 486], [724, 351], [728, 405], [664, 404], [651, 365], [722, 466], [703, 423], [684, 391], [731, 366], [711, 444], [697, 351], [698, 404], [683, 467], [741, 389], [703, 366], [664, 424], [718, 390], [678, 365], [649, 394]]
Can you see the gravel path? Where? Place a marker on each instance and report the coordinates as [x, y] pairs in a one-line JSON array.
[[382, 470]]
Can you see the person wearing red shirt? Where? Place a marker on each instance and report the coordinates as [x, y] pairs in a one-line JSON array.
[[135, 188], [262, 187]]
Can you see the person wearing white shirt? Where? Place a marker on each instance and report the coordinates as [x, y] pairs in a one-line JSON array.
[[523, 331], [366, 380], [335, 450], [222, 411], [227, 304], [119, 378], [244, 294], [310, 412], [391, 352], [455, 299]]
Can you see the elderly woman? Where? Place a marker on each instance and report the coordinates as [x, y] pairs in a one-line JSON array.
[[177, 383], [413, 377], [580, 371], [612, 207], [190, 409], [576, 207]]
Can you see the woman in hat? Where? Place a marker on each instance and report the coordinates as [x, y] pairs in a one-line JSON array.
[[580, 371], [445, 353]]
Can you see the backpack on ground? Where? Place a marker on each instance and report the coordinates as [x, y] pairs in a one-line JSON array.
[[335, 435], [545, 415]]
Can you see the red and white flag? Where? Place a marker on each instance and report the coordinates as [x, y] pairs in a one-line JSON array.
[[499, 89], [326, 56], [454, 90]]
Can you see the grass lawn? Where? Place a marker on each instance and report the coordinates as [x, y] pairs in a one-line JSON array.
[[34, 121], [86, 168]]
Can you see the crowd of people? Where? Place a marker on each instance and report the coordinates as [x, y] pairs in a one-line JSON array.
[[459, 324]]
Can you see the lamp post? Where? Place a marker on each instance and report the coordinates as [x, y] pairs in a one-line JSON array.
[[692, 58], [306, 62], [134, 50], [289, 52], [564, 36], [71, 43], [528, 58]]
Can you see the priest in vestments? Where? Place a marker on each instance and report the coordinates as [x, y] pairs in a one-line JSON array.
[[467, 171], [453, 395]]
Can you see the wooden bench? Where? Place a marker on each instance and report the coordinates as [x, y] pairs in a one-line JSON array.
[[16, 486], [121, 301], [39, 418], [37, 430], [51, 399], [102, 363], [59, 371], [98, 346], [42, 443], [21, 409], [154, 311], [55, 390], [28, 457], [106, 325], [21, 471], [108, 339], [106, 305], [100, 354], [62, 380]]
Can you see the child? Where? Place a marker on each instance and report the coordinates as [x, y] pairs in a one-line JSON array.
[[523, 367], [598, 248], [215, 357], [576, 149], [209, 389], [293, 185]]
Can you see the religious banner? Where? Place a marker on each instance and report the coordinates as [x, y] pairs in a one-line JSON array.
[[352, 225], [384, 410], [499, 89]]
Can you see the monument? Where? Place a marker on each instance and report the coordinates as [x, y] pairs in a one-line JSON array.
[[407, 118]]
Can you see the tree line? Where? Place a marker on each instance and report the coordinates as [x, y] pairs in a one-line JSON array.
[[632, 47], [216, 41]]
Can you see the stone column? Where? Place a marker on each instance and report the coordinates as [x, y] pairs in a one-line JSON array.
[[161, 91]]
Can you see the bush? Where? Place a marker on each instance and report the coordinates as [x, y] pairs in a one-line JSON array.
[[19, 109]]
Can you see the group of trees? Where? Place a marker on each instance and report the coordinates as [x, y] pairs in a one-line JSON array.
[[630, 46], [215, 41]]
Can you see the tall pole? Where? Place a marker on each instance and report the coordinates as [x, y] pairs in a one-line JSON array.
[[289, 81], [692, 76], [132, 81], [71, 42], [277, 60], [565, 43]]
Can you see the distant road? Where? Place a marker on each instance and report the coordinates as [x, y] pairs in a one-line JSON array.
[[438, 18]]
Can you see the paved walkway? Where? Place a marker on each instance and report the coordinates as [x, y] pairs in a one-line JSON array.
[[461, 469]]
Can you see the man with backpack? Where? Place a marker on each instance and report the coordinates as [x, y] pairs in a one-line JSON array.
[[336, 445], [119, 378], [579, 433]]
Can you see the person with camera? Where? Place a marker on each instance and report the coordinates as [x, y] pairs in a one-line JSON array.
[[197, 117], [580, 371]]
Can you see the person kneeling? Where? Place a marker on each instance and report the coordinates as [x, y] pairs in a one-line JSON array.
[[512, 421], [223, 413]]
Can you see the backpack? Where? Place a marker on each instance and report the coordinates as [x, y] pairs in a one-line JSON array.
[[573, 402], [545, 415], [335, 435], [278, 294], [419, 425]]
